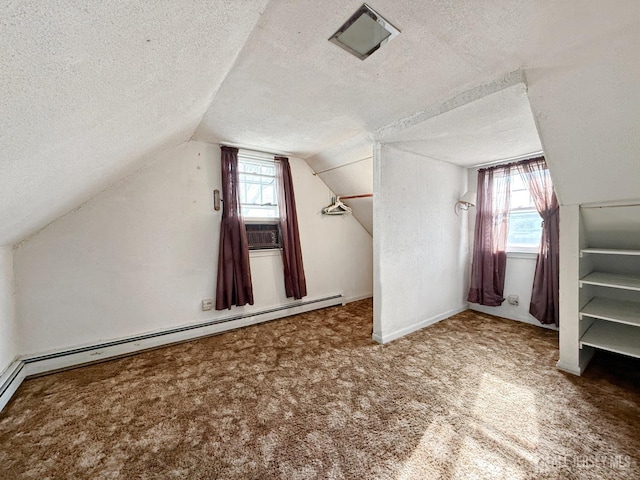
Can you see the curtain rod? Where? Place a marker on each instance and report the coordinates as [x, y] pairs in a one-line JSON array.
[[525, 156], [253, 151], [344, 165]]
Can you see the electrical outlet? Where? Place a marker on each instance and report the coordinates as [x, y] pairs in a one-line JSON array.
[[207, 304], [513, 300]]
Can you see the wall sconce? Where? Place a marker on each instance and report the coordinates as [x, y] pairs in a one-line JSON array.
[[467, 200], [216, 200]]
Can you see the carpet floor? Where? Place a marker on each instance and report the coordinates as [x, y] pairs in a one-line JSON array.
[[311, 396]]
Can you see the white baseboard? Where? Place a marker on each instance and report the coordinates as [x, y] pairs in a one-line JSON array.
[[518, 318], [565, 367], [586, 354], [358, 297], [386, 338], [32, 365], [10, 380]]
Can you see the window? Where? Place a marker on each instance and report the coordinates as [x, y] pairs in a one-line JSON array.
[[259, 200], [525, 224], [258, 196]]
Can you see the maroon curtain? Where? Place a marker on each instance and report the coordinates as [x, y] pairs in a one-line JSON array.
[[489, 263], [545, 293], [295, 283], [234, 272]]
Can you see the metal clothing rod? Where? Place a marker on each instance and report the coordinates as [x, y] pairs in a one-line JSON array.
[[612, 206], [525, 156], [362, 195], [340, 166]]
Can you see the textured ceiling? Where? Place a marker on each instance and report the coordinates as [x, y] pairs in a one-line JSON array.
[[293, 91], [90, 90], [87, 89], [495, 127]]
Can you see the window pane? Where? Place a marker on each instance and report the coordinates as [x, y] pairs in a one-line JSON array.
[[260, 211], [269, 194], [521, 199], [525, 229], [517, 183], [248, 167], [253, 194], [258, 195]]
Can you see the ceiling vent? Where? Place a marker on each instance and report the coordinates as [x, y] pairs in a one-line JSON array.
[[364, 33]]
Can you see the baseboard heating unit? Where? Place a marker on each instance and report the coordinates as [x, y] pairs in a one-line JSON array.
[[34, 365]]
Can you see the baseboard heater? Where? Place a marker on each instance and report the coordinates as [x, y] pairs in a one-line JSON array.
[[29, 366]]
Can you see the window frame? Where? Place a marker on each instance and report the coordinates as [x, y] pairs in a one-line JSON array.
[[519, 248], [259, 158], [264, 159]]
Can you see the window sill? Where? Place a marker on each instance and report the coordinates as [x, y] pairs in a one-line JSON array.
[[260, 221], [522, 254], [267, 252]]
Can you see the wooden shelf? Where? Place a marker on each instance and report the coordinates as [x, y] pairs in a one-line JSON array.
[[619, 311], [608, 251], [613, 337], [625, 282]]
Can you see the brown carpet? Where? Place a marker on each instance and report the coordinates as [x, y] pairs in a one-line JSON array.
[[311, 396]]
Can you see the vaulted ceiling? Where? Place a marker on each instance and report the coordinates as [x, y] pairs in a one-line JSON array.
[[90, 91]]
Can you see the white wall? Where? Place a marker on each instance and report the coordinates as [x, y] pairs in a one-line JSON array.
[[518, 276], [8, 329], [518, 281], [142, 255], [586, 103], [420, 245]]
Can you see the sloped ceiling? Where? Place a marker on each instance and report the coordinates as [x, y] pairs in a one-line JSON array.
[[587, 105], [292, 91], [496, 126], [90, 90]]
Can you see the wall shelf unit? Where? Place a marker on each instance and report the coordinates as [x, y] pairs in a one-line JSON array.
[[608, 251], [610, 317], [612, 310], [613, 337], [626, 282]]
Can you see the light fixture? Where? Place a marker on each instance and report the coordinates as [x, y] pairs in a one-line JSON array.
[[364, 33], [467, 200]]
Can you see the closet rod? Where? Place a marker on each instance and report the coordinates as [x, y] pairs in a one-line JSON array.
[[612, 206], [362, 195], [340, 166]]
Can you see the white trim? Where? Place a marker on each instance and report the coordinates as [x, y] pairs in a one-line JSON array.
[[72, 357], [529, 319], [386, 338], [568, 368], [265, 252], [261, 221], [10, 380], [357, 297], [586, 354], [523, 254]]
